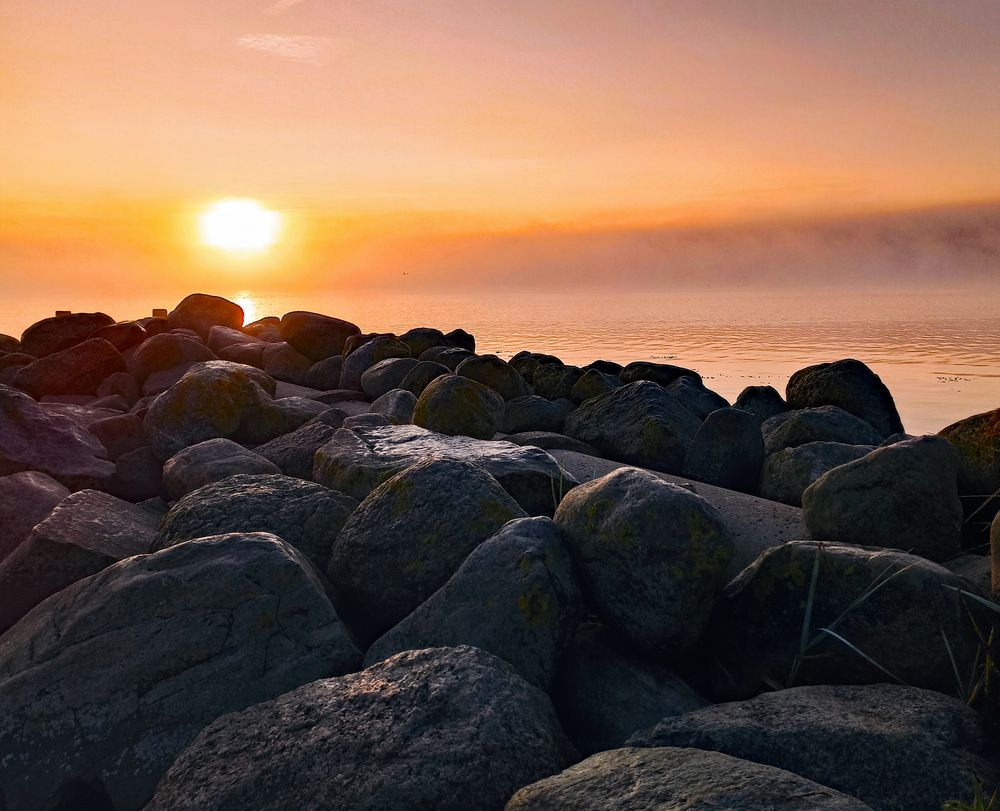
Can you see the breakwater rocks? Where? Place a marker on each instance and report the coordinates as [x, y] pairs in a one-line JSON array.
[[291, 564]]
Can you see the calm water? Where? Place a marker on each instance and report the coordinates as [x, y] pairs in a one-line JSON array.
[[938, 351]]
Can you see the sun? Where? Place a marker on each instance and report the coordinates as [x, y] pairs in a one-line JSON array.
[[239, 226]]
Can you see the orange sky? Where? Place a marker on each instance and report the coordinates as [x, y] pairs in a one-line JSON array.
[[365, 121]]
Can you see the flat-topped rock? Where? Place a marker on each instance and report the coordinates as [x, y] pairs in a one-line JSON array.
[[357, 460]]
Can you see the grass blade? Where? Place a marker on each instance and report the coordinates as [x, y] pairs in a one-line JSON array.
[[861, 653]]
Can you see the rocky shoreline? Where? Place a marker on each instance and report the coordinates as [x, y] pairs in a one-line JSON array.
[[295, 565]]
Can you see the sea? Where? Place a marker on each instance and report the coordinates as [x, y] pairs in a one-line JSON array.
[[937, 349]]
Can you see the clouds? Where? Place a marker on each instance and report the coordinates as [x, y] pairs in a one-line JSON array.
[[307, 50]]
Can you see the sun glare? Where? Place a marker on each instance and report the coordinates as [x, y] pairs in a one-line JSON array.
[[239, 226]]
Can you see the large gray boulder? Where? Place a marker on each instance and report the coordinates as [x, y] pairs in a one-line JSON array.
[[324, 375], [555, 381], [420, 376], [604, 693], [25, 499], [200, 312], [458, 406], [355, 461], [449, 729], [727, 451], [683, 779], [534, 413], [77, 370], [420, 339], [593, 383], [763, 402], [397, 405], [977, 440], [316, 336], [32, 438], [210, 461], [269, 419], [850, 385], [381, 347], [662, 373], [410, 535], [904, 495], [495, 373], [103, 685], [786, 474], [893, 747], [305, 515], [209, 401], [651, 556], [61, 332], [294, 453], [385, 375], [822, 424], [122, 335], [168, 350], [282, 361], [640, 423], [514, 597], [901, 612], [696, 397]]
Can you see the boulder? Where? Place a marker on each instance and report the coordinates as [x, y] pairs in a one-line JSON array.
[[325, 374], [210, 461], [421, 375], [367, 355], [727, 450], [695, 397], [32, 438], [410, 535], [25, 499], [668, 778], [103, 685], [514, 597], [555, 381], [461, 339], [903, 496], [608, 367], [209, 401], [85, 533], [534, 413], [640, 423], [397, 405], [169, 350], [457, 406], [449, 729], [316, 336], [762, 401], [547, 440], [83, 415], [283, 362], [662, 373], [593, 383], [495, 373], [267, 329], [787, 473], [893, 747], [651, 557], [295, 452], [451, 359], [77, 370], [367, 421], [356, 461], [269, 419], [603, 692], [11, 360], [528, 362], [977, 440], [221, 337], [155, 326], [848, 384], [385, 375], [52, 335], [122, 335], [420, 339], [305, 515], [896, 609], [119, 434], [9, 343], [249, 354], [138, 476], [823, 424], [200, 312]]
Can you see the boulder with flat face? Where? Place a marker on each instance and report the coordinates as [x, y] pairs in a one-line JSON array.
[[210, 461], [200, 312], [821, 424], [786, 474], [457, 406], [61, 332], [534, 413], [316, 336], [727, 451], [104, 684], [294, 452], [25, 499], [357, 460], [78, 370], [449, 729]]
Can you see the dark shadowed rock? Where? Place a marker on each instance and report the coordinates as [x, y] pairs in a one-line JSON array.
[[603, 692], [123, 385], [495, 373], [727, 451], [119, 434], [25, 499], [85, 533], [514, 597], [420, 339], [32, 438], [168, 350], [356, 461], [449, 729], [249, 354], [757, 628], [461, 339], [457, 406], [527, 362], [282, 361], [77, 370], [325, 374], [210, 461], [822, 424], [763, 401], [200, 312], [93, 690], [270, 419], [421, 375], [410, 535], [787, 473], [397, 405], [593, 383], [61, 332], [367, 420], [662, 373], [381, 347], [667, 778], [548, 440], [138, 475], [695, 397], [316, 336], [11, 360], [385, 375], [306, 515], [122, 335], [651, 556], [534, 413], [83, 415], [896, 748], [847, 384], [903, 496], [294, 453], [221, 337], [9, 343], [977, 440], [609, 367], [640, 423], [555, 381]]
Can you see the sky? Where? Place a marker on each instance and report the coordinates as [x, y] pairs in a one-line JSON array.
[[445, 135]]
